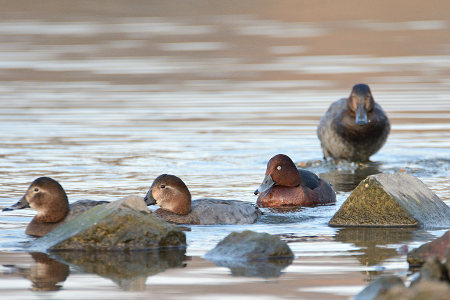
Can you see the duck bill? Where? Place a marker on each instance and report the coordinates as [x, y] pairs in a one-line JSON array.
[[149, 200], [361, 114], [265, 185], [22, 203]]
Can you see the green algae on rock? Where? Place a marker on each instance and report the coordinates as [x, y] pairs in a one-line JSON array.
[[392, 200], [123, 225]]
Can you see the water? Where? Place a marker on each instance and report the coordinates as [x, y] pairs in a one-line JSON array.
[[106, 96]]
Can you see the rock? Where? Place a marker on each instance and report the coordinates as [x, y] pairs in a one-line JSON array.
[[392, 200], [423, 291], [123, 225], [378, 287], [252, 254], [439, 247], [432, 270], [249, 245], [448, 264]]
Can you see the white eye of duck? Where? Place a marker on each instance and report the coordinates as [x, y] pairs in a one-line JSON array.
[[279, 168]]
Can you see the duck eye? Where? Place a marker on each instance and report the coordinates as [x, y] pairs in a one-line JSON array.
[[36, 190], [163, 186], [279, 168]]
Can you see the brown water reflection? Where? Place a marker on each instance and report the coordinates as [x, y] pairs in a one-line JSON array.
[[129, 270]]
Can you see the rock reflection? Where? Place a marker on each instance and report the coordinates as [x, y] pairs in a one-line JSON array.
[[45, 274], [342, 175], [259, 268], [129, 270], [372, 242]]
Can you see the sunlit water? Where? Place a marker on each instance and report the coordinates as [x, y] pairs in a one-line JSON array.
[[105, 97]]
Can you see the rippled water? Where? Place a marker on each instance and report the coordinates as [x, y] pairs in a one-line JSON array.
[[104, 96]]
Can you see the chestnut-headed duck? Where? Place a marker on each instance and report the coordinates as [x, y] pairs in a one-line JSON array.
[[48, 197], [353, 128], [285, 185], [172, 195]]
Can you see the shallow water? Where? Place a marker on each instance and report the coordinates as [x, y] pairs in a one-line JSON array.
[[104, 96]]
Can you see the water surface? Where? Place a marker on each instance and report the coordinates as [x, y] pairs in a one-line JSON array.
[[106, 96]]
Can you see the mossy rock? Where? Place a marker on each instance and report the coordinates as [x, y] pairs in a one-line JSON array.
[[123, 225], [392, 200]]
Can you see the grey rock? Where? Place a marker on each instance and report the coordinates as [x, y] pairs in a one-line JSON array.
[[379, 287], [248, 246], [123, 225], [392, 200], [252, 254]]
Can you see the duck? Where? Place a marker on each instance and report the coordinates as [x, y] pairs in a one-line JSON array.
[[353, 128], [173, 196], [286, 185], [48, 197]]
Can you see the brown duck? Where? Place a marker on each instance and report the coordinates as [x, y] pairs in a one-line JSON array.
[[285, 185], [353, 128], [174, 198], [48, 197]]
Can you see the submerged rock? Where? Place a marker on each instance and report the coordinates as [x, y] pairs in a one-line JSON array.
[[252, 254], [392, 200], [379, 287], [439, 247], [121, 225]]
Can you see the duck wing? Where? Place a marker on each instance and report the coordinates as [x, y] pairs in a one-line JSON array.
[[309, 179]]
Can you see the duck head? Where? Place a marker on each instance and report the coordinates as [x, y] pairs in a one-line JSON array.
[[46, 196], [360, 103], [282, 171], [170, 193]]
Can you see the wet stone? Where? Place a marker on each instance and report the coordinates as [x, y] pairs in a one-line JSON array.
[[392, 200], [249, 246], [422, 291], [439, 247], [379, 287], [123, 225], [432, 270]]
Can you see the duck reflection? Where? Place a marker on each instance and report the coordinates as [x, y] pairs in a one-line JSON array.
[[46, 274], [344, 176], [129, 270]]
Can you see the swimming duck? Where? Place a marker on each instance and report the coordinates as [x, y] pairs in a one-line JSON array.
[[48, 197], [174, 198], [285, 185], [353, 128]]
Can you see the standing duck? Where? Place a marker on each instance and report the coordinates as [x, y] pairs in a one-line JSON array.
[[48, 197], [353, 128], [285, 185], [174, 198]]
